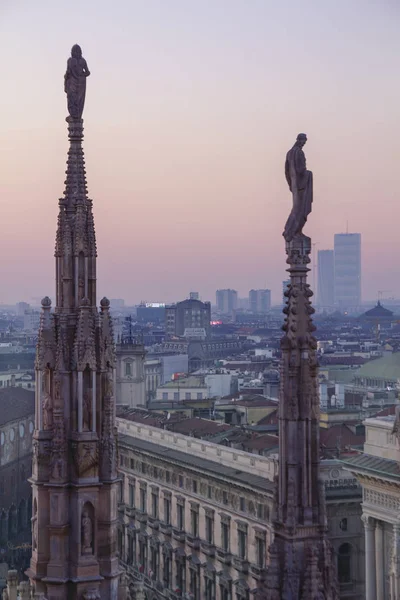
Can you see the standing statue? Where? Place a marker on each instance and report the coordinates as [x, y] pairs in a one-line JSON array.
[[47, 412], [87, 409], [75, 82], [300, 183], [87, 533]]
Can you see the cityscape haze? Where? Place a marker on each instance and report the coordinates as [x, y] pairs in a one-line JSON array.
[[196, 105]]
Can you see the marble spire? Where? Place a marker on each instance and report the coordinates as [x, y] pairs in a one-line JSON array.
[[300, 559], [74, 480]]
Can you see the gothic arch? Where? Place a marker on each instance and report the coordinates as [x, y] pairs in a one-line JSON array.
[[22, 515], [12, 521], [3, 526]]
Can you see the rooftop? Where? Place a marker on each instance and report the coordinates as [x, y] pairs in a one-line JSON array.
[[186, 382], [373, 465], [197, 463], [386, 368]]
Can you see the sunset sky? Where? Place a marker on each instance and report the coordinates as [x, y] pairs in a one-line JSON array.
[[190, 109]]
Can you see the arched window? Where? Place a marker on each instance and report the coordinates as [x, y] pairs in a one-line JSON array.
[[344, 563], [343, 524], [128, 369]]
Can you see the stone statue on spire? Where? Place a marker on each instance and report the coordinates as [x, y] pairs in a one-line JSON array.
[[300, 183], [75, 82]]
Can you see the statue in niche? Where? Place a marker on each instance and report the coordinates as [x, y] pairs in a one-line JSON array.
[[87, 533], [300, 183], [34, 532], [86, 410], [75, 82], [109, 391], [47, 411]]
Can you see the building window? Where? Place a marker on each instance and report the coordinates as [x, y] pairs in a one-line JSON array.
[[242, 543], [195, 582], [242, 503], [143, 499], [165, 395], [176, 396], [199, 396], [131, 550], [180, 575], [194, 522], [194, 486], [167, 511], [209, 529], [260, 511], [225, 531], [188, 395], [154, 504], [209, 492], [128, 369], [143, 467], [344, 563], [167, 571], [132, 462], [181, 516], [181, 481], [225, 497], [131, 494], [260, 549], [343, 524], [167, 476], [154, 561]]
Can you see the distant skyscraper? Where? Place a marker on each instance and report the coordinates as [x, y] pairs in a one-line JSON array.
[[194, 296], [325, 278], [347, 268], [226, 300], [285, 285], [190, 318], [260, 301]]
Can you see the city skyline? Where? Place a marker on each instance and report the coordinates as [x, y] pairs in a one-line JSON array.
[[153, 161]]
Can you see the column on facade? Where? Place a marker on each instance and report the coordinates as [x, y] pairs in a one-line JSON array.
[[379, 560], [394, 567], [370, 559]]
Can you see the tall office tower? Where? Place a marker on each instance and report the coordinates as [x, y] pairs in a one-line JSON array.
[[347, 270], [189, 318], [226, 300], [285, 286], [260, 301], [74, 471], [326, 276]]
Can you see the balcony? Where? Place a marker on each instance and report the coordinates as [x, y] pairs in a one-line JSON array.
[[165, 528], [241, 565], [258, 573], [153, 522], [224, 556], [208, 548], [141, 516], [179, 535], [193, 541]]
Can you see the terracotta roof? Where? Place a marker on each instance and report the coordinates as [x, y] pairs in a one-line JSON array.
[[198, 427], [339, 436], [389, 410], [16, 403], [262, 442]]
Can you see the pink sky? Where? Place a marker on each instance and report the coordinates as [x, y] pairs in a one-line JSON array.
[[191, 107]]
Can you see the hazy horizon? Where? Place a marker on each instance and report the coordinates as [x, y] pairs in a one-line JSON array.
[[190, 110]]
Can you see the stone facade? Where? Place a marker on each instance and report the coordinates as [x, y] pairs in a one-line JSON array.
[[16, 432], [378, 472], [130, 375], [169, 478]]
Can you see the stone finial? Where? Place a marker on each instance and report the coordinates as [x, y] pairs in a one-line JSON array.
[[85, 302], [104, 303], [46, 302]]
